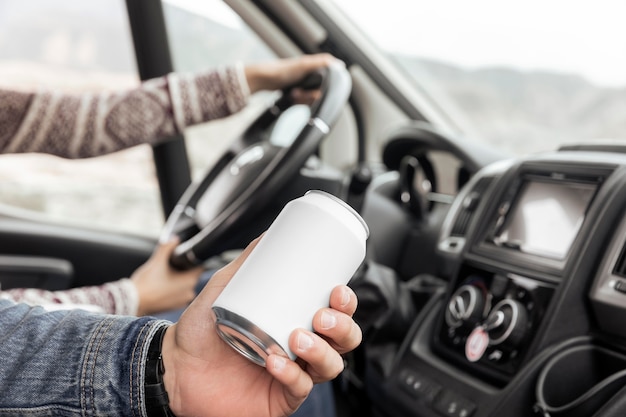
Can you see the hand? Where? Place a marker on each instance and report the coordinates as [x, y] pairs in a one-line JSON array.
[[204, 376], [282, 73], [159, 286]]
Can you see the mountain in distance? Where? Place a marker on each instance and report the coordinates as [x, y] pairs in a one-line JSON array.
[[521, 107]]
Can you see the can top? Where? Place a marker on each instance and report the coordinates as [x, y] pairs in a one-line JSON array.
[[345, 205]]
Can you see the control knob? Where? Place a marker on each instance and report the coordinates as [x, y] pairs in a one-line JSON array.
[[466, 306], [507, 323]]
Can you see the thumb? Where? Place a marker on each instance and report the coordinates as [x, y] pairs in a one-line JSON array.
[[164, 250], [222, 277]]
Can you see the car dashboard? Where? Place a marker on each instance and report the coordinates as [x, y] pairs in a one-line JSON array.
[[530, 319]]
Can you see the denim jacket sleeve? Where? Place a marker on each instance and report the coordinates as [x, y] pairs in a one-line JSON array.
[[72, 363]]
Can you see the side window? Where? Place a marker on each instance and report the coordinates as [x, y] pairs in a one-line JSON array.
[[75, 46], [204, 35]]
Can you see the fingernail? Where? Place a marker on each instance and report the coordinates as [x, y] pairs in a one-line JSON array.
[[328, 320], [305, 342], [345, 299], [279, 363]]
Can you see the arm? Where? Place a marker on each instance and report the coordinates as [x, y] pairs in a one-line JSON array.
[[80, 364], [74, 362], [117, 297], [79, 126]]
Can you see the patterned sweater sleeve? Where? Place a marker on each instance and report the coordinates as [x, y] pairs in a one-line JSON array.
[[117, 297], [86, 125]]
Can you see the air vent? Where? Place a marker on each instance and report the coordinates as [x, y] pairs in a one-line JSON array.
[[470, 202], [620, 265]]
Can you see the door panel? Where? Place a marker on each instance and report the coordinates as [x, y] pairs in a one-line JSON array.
[[93, 257]]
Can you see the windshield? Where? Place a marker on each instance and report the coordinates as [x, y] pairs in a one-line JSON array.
[[521, 76]]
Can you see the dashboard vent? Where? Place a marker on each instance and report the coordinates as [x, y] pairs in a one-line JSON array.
[[470, 202], [620, 265]]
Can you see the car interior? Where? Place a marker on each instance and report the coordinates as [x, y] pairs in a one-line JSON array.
[[495, 277]]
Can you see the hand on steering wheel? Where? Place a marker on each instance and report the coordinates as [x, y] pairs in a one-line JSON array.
[[212, 213]]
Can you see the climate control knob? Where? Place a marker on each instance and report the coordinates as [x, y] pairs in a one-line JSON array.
[[466, 306], [507, 323]]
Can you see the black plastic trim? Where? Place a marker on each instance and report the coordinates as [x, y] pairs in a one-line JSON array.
[[152, 52]]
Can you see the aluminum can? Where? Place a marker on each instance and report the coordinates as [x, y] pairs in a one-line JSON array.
[[315, 243]]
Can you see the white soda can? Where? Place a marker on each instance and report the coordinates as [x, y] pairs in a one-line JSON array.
[[316, 243]]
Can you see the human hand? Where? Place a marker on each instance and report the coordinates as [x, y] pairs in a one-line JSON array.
[[159, 286], [205, 376], [282, 73]]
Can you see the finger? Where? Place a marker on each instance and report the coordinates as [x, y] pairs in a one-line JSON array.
[[164, 250], [339, 329], [306, 64], [315, 61], [343, 299], [297, 384], [235, 264], [322, 362], [163, 253]]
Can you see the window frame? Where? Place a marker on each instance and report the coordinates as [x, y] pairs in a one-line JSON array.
[[152, 54]]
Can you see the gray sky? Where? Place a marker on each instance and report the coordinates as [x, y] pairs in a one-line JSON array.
[[586, 37]]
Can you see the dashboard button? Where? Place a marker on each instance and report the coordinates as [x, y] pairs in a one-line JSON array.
[[453, 405], [420, 386]]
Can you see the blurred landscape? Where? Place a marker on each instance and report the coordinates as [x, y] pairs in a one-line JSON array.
[[78, 46], [527, 111]]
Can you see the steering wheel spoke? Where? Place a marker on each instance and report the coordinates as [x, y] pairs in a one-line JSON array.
[[215, 212]]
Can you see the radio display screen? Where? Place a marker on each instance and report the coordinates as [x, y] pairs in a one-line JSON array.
[[545, 217]]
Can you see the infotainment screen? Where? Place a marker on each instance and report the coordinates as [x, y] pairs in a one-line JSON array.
[[545, 217]]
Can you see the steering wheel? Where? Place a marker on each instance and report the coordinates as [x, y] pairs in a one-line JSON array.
[[212, 213]]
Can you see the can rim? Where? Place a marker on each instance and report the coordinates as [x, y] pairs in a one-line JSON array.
[[245, 337]]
